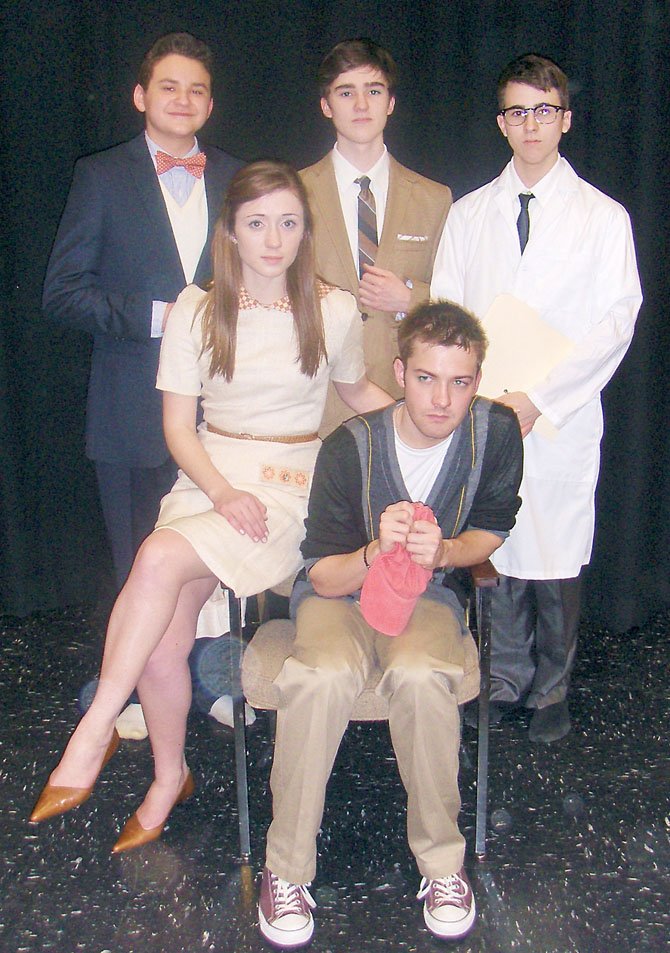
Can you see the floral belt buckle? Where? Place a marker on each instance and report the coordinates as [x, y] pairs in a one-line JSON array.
[[285, 476]]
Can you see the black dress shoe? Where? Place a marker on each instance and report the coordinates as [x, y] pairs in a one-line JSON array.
[[551, 723], [497, 711]]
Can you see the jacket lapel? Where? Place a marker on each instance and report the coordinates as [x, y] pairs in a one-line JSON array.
[[504, 207], [398, 195], [327, 200], [150, 198], [548, 223], [215, 186]]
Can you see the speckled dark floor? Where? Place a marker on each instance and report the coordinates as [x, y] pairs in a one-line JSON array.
[[579, 854]]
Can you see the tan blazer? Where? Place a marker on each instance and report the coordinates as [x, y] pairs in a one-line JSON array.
[[416, 210]]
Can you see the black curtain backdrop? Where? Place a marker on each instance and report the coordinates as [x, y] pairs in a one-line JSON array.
[[69, 69]]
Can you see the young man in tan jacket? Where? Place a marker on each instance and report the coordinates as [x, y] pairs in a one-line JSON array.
[[392, 274]]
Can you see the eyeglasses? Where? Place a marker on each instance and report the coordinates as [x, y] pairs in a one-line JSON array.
[[544, 113]]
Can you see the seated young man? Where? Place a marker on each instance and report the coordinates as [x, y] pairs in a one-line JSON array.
[[461, 455]]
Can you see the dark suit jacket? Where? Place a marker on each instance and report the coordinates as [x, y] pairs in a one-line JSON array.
[[416, 210], [114, 254]]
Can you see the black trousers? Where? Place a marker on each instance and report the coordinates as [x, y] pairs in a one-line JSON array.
[[533, 639], [130, 499]]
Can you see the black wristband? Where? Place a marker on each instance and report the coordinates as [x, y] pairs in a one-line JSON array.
[[365, 556]]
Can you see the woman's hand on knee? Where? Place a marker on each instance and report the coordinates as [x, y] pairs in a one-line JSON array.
[[244, 512]]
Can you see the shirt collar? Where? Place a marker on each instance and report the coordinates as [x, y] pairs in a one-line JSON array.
[[543, 189], [246, 302], [346, 173], [154, 148]]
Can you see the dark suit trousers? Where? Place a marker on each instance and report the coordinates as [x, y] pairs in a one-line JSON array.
[[130, 499], [533, 639]]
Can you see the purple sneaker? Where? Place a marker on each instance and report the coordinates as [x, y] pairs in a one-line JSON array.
[[285, 912], [449, 907]]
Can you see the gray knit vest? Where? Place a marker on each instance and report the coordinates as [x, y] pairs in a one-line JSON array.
[[454, 489]]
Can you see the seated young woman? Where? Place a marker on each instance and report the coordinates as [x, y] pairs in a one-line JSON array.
[[258, 351]]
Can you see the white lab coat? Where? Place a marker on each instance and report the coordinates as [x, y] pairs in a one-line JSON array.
[[579, 272]]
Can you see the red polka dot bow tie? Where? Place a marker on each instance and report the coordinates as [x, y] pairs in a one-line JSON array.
[[194, 164]]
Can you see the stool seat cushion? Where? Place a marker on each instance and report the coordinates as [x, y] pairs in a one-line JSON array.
[[271, 646], [263, 659]]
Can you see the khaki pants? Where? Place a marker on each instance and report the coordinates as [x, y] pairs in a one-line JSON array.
[[424, 679]]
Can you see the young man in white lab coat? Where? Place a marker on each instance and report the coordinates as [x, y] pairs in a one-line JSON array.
[[571, 258]]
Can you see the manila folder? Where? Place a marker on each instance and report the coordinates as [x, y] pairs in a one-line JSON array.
[[522, 350]]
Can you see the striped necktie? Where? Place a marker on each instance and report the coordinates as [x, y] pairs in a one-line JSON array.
[[523, 221], [367, 225]]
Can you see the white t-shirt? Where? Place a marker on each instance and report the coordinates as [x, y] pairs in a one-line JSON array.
[[420, 467]]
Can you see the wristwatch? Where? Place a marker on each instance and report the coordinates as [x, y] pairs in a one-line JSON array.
[[403, 314]]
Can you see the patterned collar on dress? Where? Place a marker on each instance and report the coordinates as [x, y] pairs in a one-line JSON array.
[[247, 303]]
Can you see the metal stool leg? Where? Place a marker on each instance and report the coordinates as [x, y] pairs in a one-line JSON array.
[[239, 732], [484, 628]]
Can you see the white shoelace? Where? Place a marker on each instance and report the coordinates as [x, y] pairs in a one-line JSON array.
[[451, 889], [290, 898]]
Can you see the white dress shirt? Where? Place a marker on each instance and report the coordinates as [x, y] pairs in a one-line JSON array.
[[345, 176]]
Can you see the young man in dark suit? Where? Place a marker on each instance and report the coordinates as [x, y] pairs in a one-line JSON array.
[[135, 231]]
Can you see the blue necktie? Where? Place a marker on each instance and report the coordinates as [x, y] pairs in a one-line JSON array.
[[523, 221]]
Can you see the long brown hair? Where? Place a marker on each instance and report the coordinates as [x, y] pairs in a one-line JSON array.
[[221, 306]]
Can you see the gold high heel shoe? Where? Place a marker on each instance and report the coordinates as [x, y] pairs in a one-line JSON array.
[[134, 835], [56, 799]]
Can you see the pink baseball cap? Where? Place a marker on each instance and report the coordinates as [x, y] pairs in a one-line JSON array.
[[393, 585]]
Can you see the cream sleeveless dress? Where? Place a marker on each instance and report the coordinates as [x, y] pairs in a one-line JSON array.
[[267, 396]]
